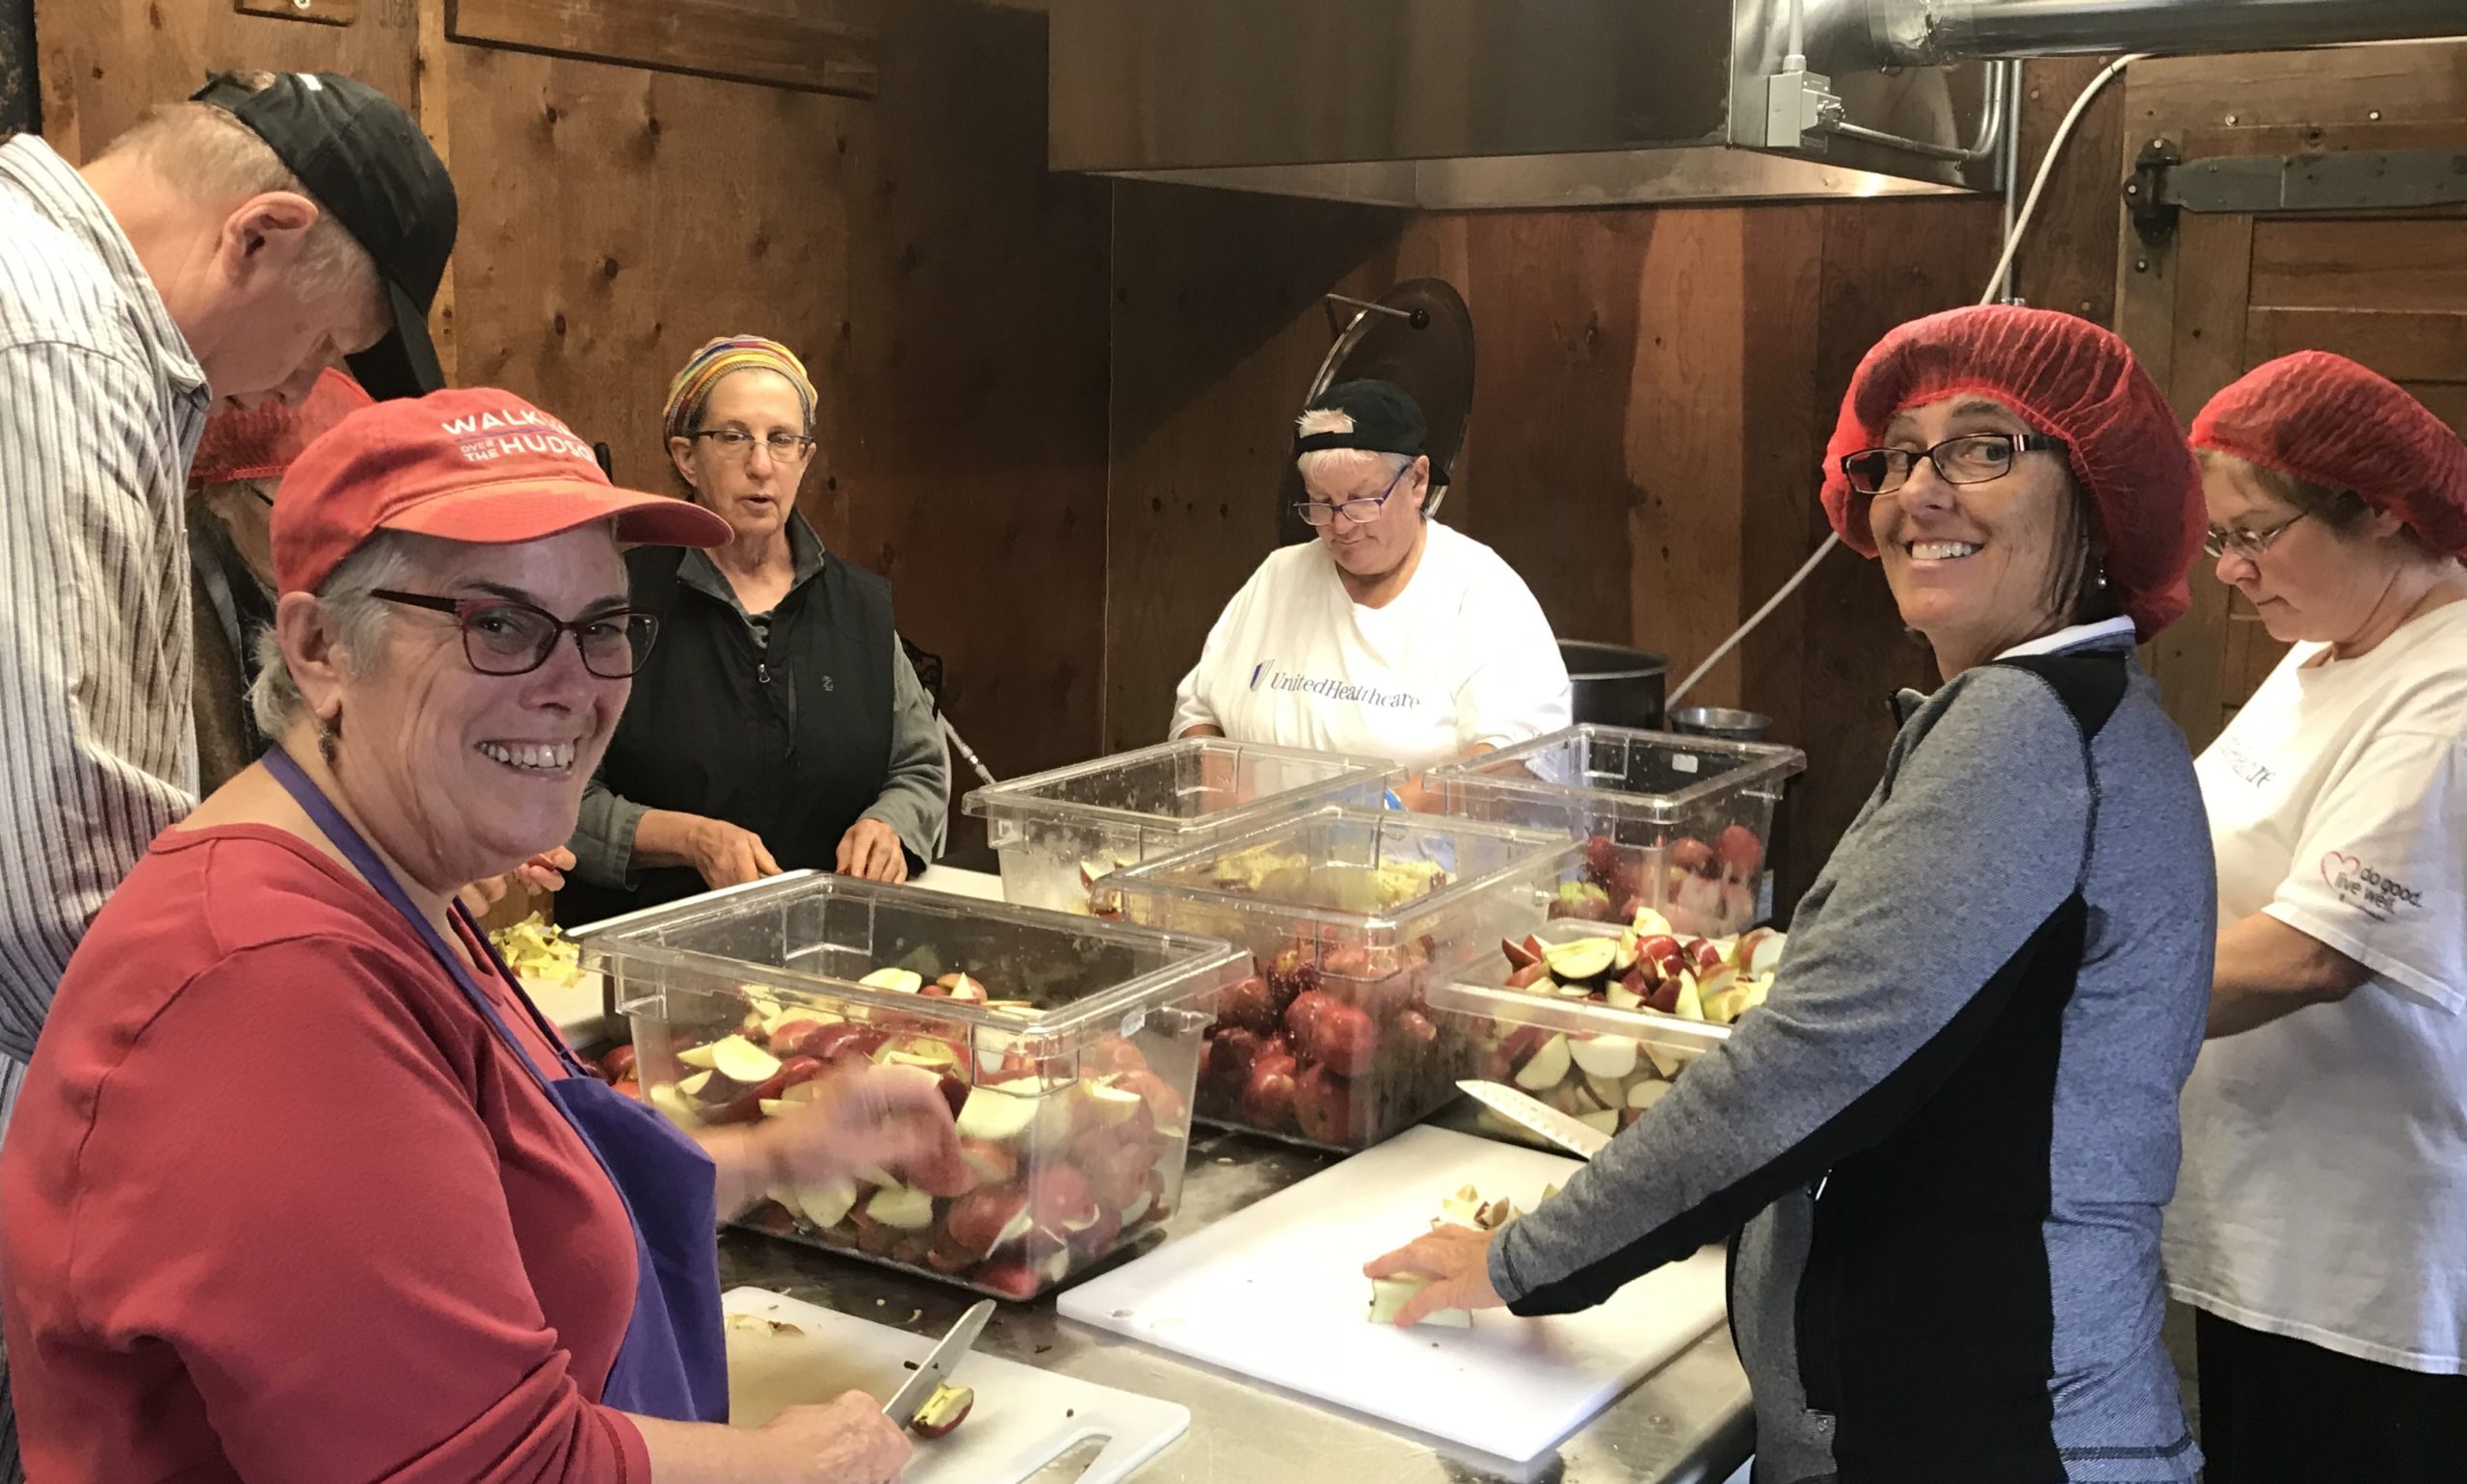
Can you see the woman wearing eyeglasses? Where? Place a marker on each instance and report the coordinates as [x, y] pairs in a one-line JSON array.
[[299, 1187], [1392, 635], [1942, 1149], [2320, 1227], [780, 726]]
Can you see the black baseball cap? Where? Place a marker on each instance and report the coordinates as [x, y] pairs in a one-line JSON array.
[[363, 159], [1386, 420]]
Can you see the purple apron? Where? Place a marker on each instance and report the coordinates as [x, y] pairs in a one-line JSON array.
[[674, 1362]]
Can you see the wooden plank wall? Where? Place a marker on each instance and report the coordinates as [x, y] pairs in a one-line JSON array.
[[947, 292], [1653, 391]]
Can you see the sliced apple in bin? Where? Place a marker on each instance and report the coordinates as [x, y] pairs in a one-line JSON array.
[[1605, 1056], [1609, 1092], [698, 1057], [740, 1060], [1606, 1120], [1624, 958], [1644, 1094], [774, 1107], [996, 1117], [1586, 958], [1766, 956], [827, 1204], [665, 1097], [698, 1085], [1665, 1061], [1650, 923], [1689, 1006], [904, 1207], [1534, 976], [1547, 1068], [1113, 1104], [1618, 997], [899, 981], [1518, 955]]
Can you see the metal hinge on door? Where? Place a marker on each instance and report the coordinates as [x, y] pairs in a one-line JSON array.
[[2165, 184]]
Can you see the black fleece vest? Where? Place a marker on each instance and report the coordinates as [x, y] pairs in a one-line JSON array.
[[792, 742]]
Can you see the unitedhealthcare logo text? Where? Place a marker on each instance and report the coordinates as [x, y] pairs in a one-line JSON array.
[[1330, 689]]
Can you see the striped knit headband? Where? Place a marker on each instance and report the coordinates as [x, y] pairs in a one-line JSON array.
[[719, 359]]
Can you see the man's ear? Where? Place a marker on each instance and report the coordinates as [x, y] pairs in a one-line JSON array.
[[266, 234]]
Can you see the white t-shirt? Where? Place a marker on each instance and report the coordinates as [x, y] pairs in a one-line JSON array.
[[2324, 1188], [1462, 656]]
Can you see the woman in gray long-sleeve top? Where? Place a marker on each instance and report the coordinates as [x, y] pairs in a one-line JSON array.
[[1941, 1147], [779, 725]]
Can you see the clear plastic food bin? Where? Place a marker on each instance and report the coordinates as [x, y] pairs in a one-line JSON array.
[[1348, 915], [1598, 1063], [1060, 832], [1676, 824], [1069, 1049]]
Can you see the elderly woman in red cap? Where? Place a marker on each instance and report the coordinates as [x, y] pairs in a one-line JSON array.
[[1942, 1150], [301, 1187], [2320, 1227]]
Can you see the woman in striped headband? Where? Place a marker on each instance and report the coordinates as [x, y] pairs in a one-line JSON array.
[[779, 725]]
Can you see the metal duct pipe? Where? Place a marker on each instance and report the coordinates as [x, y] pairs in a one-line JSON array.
[[1930, 32]]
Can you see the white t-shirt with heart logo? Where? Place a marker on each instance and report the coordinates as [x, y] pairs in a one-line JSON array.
[[2324, 1188], [1462, 658]]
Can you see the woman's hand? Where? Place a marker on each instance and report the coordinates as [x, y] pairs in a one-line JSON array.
[[874, 1117], [542, 872], [727, 855], [871, 851], [1457, 1261], [845, 1441]]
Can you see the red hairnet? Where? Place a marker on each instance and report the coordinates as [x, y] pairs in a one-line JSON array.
[[261, 441], [2064, 376], [2330, 422]]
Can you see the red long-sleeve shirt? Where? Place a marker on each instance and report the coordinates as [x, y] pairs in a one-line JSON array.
[[278, 1205]]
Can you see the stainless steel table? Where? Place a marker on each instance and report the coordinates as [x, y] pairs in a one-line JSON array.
[[1687, 1423]]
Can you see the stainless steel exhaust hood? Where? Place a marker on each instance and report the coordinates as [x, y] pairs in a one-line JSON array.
[[1474, 104]]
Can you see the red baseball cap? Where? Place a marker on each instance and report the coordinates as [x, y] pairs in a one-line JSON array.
[[261, 443], [478, 466]]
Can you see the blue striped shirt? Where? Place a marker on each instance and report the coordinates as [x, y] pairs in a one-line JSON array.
[[101, 404]]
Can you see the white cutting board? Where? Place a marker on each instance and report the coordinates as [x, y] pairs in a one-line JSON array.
[[1023, 1419], [1275, 1293]]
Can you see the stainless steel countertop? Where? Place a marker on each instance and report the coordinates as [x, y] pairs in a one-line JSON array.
[[1687, 1423]]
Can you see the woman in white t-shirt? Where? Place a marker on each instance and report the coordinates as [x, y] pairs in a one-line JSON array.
[[1392, 635], [2320, 1226]]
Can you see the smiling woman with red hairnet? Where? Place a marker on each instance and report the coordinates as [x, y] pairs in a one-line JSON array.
[[1943, 1144], [2324, 1204]]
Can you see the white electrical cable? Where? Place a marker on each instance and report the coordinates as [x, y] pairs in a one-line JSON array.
[[2004, 263], [2047, 167]]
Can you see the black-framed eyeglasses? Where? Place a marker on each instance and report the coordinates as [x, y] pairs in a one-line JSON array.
[[1361, 512], [1973, 458], [2247, 544], [502, 637], [737, 443]]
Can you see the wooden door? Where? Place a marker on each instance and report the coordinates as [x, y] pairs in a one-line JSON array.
[[2386, 286]]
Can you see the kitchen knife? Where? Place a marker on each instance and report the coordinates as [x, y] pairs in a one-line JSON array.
[[1583, 1140], [936, 1369]]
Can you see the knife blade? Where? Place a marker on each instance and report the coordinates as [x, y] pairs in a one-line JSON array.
[[1583, 1140], [936, 1367]]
